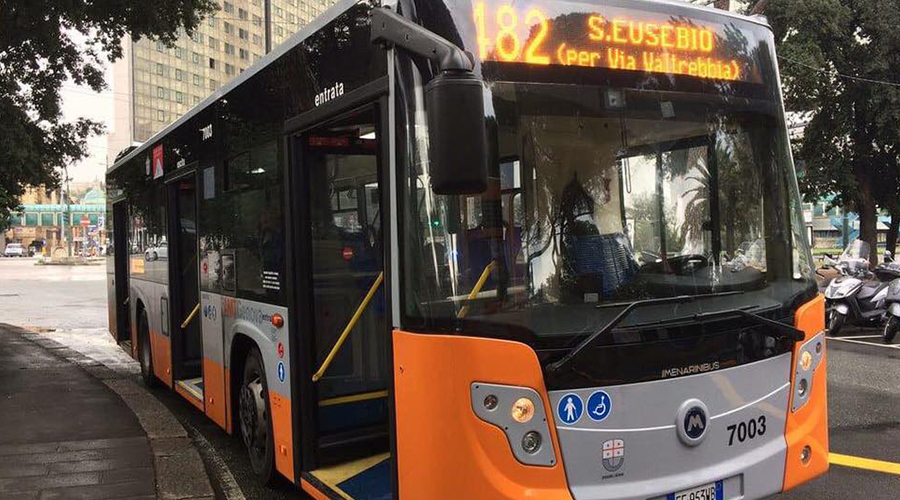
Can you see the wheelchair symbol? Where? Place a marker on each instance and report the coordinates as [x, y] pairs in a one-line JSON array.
[[599, 406]]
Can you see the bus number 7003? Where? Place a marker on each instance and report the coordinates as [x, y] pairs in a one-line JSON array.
[[747, 430]]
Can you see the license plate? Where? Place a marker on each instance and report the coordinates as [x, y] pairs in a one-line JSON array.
[[711, 491]]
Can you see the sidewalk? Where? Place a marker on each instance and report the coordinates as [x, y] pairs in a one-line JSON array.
[[71, 428]]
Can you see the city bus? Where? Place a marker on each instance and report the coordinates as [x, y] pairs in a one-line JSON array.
[[487, 249]]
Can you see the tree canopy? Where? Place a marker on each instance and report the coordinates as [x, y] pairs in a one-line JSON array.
[[839, 61], [39, 52]]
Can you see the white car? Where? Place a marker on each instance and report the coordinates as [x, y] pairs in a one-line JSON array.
[[14, 250]]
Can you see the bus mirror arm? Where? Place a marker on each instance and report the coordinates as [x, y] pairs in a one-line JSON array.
[[390, 28], [454, 104]]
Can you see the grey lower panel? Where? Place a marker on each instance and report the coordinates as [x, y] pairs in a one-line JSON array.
[[632, 450]]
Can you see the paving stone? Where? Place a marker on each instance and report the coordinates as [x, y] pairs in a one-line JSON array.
[[20, 495], [182, 476], [100, 465], [97, 444], [26, 449], [169, 446], [11, 485], [23, 470], [101, 492], [127, 475]]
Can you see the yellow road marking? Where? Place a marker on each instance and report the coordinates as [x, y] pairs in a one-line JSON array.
[[864, 463]]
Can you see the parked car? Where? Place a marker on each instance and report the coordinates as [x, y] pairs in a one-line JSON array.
[[14, 250]]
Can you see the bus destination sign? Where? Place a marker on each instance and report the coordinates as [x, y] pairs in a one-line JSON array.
[[556, 33]]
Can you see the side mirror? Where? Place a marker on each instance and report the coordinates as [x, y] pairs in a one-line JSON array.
[[457, 134], [454, 101]]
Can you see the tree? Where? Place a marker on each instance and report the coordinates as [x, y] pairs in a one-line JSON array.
[[38, 52], [836, 56]]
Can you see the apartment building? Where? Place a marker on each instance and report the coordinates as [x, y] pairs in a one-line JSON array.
[[153, 84]]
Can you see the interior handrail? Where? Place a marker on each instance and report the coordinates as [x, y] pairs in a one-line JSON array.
[[193, 313], [353, 321], [488, 269]]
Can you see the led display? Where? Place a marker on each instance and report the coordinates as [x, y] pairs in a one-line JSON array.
[[566, 34]]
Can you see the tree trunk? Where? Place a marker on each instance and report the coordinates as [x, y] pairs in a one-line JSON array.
[[868, 220], [891, 243]]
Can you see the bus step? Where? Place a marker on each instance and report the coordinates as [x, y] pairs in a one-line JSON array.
[[367, 478], [192, 390]]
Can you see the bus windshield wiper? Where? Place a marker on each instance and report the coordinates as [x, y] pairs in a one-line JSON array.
[[629, 306]]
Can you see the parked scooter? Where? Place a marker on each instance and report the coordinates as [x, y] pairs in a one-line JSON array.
[[855, 296], [892, 303]]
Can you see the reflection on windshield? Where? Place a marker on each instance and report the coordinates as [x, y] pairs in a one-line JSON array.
[[591, 203]]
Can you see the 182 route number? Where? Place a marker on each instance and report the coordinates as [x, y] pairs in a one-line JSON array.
[[744, 431]]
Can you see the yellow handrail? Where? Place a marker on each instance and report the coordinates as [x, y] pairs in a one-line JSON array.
[[349, 327], [190, 316], [477, 288]]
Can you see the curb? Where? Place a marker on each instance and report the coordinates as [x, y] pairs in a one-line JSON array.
[[180, 471]]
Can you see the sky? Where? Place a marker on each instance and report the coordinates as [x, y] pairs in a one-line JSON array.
[[79, 101]]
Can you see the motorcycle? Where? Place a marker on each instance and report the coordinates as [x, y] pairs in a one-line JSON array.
[[892, 304], [856, 295]]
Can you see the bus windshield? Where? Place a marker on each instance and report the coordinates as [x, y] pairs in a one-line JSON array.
[[606, 192]]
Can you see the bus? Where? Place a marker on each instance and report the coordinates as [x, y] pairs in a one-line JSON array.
[[487, 249]]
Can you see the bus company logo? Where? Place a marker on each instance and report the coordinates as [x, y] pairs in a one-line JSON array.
[[330, 93], [679, 371], [695, 422], [613, 454], [210, 312]]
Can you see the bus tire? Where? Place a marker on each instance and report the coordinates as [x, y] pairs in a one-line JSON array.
[[255, 418], [145, 353]]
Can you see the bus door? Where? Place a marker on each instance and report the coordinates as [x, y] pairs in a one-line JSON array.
[[119, 251], [187, 345], [341, 165]]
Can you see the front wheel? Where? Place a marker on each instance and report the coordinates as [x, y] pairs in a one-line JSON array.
[[835, 323], [891, 327], [256, 418]]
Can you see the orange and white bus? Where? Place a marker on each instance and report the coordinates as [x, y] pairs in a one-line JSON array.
[[487, 250]]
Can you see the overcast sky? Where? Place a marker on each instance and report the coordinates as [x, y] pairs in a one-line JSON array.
[[83, 102]]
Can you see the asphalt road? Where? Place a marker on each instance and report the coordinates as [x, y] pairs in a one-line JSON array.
[[863, 377]]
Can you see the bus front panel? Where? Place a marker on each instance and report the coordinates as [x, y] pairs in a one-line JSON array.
[[640, 234]]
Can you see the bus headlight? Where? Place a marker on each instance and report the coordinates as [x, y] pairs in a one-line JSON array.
[[805, 360], [531, 442], [809, 355], [522, 410], [519, 413]]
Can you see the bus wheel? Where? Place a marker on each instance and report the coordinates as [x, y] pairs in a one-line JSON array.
[[255, 418], [145, 355]]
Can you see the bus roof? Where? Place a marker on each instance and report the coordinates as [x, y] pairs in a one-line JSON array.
[[315, 25], [318, 23]]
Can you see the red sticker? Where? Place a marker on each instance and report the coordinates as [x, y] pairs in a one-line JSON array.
[[280, 350], [347, 253]]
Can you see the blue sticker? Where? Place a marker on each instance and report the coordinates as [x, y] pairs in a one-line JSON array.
[[281, 371], [599, 406], [569, 408]]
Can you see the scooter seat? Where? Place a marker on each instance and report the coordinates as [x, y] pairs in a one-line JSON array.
[[870, 289]]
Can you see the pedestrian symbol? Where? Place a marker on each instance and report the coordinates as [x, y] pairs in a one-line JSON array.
[[281, 371], [599, 406], [569, 408]]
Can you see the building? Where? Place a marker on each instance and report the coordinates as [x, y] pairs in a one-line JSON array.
[[153, 84], [46, 218]]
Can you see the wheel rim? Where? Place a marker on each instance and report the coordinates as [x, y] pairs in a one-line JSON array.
[[254, 421]]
